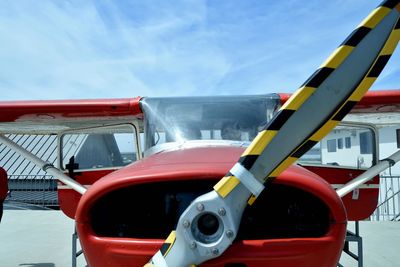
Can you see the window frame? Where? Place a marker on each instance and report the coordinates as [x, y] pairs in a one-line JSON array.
[[136, 143], [366, 126]]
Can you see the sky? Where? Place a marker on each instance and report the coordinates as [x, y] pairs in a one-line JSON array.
[[112, 49]]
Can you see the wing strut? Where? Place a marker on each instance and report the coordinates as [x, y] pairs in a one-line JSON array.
[[46, 166], [369, 174], [210, 224]]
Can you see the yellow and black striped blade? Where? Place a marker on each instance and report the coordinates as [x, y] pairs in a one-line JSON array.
[[323, 100]]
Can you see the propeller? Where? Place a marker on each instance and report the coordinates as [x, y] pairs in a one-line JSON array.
[[210, 224]]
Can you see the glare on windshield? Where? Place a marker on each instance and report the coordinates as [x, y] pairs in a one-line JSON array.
[[181, 119]]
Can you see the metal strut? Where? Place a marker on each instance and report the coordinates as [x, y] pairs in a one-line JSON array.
[[45, 166], [369, 174]]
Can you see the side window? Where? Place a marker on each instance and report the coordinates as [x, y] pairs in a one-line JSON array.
[[398, 137], [347, 145], [365, 143], [331, 144], [104, 147], [347, 141], [340, 143]]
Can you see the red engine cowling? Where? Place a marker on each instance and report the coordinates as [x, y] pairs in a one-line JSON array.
[[123, 218]]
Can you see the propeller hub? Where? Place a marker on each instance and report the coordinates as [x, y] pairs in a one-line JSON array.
[[207, 227]]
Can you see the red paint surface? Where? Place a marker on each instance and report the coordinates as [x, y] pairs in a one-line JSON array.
[[68, 199], [206, 164], [357, 209], [3, 185], [11, 111]]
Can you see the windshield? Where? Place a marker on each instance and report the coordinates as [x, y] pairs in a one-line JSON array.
[[180, 119]]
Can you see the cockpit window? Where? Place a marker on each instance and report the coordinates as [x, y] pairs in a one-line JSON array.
[[350, 144], [235, 118], [99, 147]]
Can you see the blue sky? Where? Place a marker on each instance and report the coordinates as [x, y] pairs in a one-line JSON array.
[[108, 49]]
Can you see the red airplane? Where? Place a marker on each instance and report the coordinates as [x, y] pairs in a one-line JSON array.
[[132, 170]]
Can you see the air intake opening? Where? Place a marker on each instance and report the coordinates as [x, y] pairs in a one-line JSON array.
[[279, 212]]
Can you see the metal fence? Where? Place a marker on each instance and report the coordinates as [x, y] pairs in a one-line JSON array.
[[388, 208], [36, 190]]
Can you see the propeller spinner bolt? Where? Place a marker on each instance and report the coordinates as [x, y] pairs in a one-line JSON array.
[[193, 245], [229, 233], [200, 207], [186, 223], [222, 211], [215, 251]]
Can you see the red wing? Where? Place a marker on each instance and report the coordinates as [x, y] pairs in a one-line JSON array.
[[52, 116]]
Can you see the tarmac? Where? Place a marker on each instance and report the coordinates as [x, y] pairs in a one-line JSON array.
[[43, 238]]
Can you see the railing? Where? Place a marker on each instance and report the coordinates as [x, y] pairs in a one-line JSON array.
[[37, 190], [388, 208]]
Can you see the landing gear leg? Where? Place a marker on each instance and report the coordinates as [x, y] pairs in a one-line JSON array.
[[354, 237], [75, 253]]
